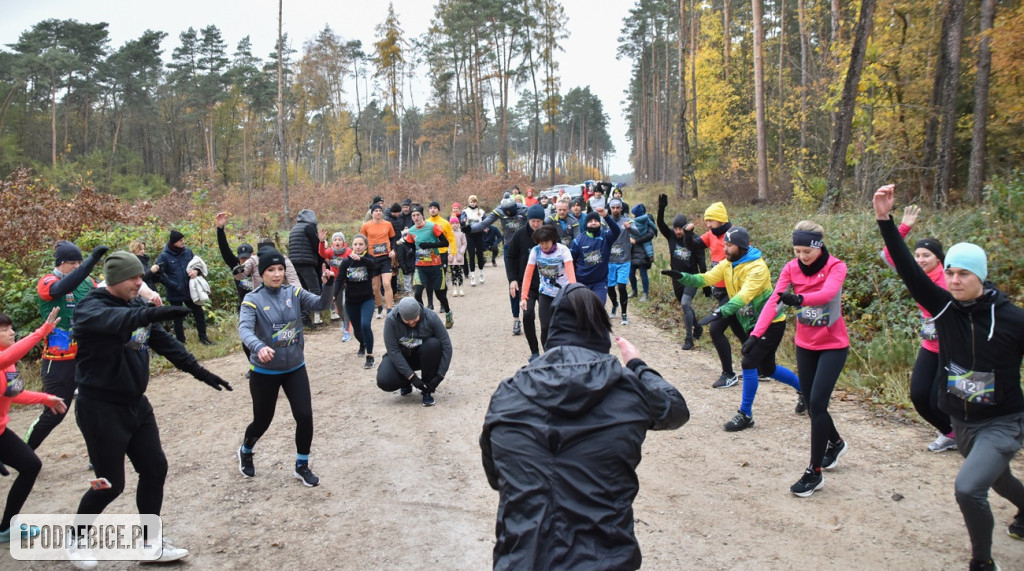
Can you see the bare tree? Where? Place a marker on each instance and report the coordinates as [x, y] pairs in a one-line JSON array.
[[762, 137], [280, 109], [686, 174], [950, 63]]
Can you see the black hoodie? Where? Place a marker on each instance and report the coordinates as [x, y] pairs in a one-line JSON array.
[[984, 335]]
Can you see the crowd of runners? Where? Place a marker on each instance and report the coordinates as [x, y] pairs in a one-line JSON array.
[[565, 259]]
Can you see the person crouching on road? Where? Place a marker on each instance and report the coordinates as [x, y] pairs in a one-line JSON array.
[[270, 325], [415, 340]]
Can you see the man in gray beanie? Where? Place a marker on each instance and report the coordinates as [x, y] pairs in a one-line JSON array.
[[115, 330], [415, 340]]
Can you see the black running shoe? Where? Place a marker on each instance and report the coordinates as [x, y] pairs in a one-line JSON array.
[[698, 330], [832, 454], [688, 344], [739, 422], [406, 390], [801, 406], [361, 352], [369, 362], [245, 465], [1016, 529], [517, 328], [428, 399], [302, 472], [809, 483], [989, 565]]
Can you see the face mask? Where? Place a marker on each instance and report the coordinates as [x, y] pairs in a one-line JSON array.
[[593, 231]]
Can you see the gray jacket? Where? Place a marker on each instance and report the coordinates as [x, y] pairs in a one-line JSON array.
[[621, 248], [272, 317]]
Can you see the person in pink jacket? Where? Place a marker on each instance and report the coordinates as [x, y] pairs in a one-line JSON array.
[[927, 380], [13, 450], [822, 344]]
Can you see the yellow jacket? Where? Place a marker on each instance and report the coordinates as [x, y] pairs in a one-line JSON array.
[[449, 234], [748, 283]]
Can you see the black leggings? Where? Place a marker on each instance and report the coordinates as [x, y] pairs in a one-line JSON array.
[[818, 373], [475, 250], [925, 387], [722, 347], [113, 431], [264, 389], [529, 321], [16, 454], [685, 296], [426, 358], [623, 294], [58, 379], [544, 309]]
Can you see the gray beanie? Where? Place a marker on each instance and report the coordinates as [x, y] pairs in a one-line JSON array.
[[409, 308], [121, 266]]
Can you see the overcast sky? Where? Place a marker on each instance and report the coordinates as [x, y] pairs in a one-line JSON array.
[[589, 57]]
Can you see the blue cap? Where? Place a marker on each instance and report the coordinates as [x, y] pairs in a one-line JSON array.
[[969, 257]]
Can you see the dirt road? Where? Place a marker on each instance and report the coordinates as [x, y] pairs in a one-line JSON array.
[[402, 485]]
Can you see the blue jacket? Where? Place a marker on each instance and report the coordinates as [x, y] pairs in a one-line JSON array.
[[590, 255], [173, 273]]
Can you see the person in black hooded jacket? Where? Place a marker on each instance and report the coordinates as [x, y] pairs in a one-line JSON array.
[[981, 346], [562, 439], [682, 259]]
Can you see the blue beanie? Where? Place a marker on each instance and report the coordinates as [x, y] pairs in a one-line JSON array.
[[969, 257], [639, 210], [535, 212]]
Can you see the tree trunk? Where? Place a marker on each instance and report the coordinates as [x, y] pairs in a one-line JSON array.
[[280, 110], [781, 98], [686, 176], [931, 127], [844, 119], [762, 138], [694, 35], [976, 174], [804, 72], [950, 84], [726, 37]]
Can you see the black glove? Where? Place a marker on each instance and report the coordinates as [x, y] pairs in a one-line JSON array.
[[98, 252], [791, 299], [713, 316], [662, 200], [163, 313], [749, 344], [3, 470], [417, 382], [237, 270], [432, 385], [672, 274], [211, 379], [707, 291]]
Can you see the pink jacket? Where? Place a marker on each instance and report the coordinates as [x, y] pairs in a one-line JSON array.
[[8, 360], [820, 291], [937, 275]]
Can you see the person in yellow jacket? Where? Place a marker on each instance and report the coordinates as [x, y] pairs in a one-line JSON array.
[[748, 282]]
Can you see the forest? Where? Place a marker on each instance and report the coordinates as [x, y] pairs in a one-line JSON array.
[[813, 100]]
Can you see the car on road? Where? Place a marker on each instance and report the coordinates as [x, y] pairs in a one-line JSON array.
[[573, 190]]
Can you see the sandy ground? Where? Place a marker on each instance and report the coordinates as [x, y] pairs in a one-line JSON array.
[[403, 488]]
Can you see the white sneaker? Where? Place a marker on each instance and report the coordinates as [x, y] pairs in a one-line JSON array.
[[170, 553], [462, 292], [334, 315], [82, 558], [472, 280], [942, 443], [316, 319], [481, 277]]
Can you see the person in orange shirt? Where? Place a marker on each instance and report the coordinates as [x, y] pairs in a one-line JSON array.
[[381, 236], [530, 198]]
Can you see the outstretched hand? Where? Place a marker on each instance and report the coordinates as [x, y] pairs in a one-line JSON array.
[[662, 200], [55, 404], [910, 215], [883, 201], [222, 219], [52, 318], [629, 352]]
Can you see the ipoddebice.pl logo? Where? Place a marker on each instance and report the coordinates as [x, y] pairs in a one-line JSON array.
[[102, 537]]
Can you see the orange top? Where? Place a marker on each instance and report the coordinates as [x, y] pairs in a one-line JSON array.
[[379, 234]]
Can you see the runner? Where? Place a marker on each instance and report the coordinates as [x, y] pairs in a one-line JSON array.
[[416, 341], [591, 250], [682, 259], [381, 236], [618, 260], [552, 263], [457, 259], [355, 274], [427, 237], [335, 254], [517, 257], [512, 217], [13, 451], [568, 226], [981, 345], [474, 241], [926, 380], [642, 232], [270, 325]]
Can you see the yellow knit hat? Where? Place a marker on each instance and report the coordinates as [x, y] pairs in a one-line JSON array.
[[716, 212]]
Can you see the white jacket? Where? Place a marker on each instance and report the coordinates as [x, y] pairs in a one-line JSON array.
[[198, 288]]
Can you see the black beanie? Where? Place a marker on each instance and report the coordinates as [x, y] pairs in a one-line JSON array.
[[591, 216], [65, 251], [376, 206], [932, 244], [396, 207], [680, 221], [535, 212], [175, 236], [434, 204], [270, 257]]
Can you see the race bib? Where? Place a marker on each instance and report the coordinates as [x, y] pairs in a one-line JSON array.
[[15, 384], [59, 339], [139, 341], [410, 342], [357, 274], [817, 316], [592, 258], [424, 255], [336, 261], [928, 332], [972, 386], [681, 253], [285, 334], [617, 250], [246, 284], [380, 249], [747, 311]]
